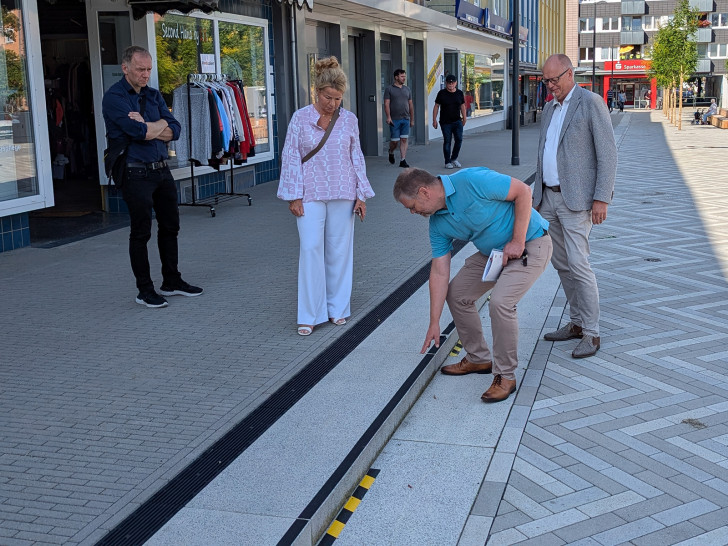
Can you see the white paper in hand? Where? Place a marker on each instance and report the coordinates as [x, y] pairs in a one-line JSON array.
[[493, 266]]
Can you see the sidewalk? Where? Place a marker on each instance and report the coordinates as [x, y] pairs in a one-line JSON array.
[[104, 402], [628, 447]]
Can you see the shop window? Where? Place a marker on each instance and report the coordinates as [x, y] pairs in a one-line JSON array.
[[18, 176], [482, 83], [217, 44]]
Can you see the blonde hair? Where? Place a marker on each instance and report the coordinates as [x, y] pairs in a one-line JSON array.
[[330, 74]]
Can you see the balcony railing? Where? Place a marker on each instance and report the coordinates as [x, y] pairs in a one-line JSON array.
[[632, 37], [633, 7], [702, 35], [705, 66], [704, 6]]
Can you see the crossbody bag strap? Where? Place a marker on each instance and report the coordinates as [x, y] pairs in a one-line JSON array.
[[323, 140]]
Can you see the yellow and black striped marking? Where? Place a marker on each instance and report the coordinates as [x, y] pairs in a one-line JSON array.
[[338, 525], [456, 350]]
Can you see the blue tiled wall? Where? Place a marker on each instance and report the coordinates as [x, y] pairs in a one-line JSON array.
[[14, 232]]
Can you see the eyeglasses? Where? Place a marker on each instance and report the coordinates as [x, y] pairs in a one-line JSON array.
[[549, 81]]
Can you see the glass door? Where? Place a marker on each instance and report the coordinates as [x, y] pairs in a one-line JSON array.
[[25, 171], [110, 33]]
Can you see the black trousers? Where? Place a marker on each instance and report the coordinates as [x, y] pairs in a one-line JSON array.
[[146, 191]]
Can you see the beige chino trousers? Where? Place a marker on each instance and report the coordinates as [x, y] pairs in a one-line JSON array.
[[514, 281]]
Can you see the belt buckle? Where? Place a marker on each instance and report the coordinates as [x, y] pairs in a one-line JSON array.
[[154, 165]]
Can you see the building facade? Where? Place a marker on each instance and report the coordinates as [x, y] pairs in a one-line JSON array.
[[615, 39], [58, 57]]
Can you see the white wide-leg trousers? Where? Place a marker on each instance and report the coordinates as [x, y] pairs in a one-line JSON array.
[[326, 261]]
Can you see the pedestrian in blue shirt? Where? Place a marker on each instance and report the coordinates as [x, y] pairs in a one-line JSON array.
[[137, 116], [493, 211]]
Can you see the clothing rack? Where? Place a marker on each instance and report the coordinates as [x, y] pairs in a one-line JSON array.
[[219, 197]]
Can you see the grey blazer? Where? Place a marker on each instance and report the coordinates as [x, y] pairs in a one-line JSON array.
[[587, 153]]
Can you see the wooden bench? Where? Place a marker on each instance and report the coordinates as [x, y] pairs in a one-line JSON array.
[[721, 122]]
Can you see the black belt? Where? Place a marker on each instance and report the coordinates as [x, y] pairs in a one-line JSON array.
[[154, 166], [553, 188]]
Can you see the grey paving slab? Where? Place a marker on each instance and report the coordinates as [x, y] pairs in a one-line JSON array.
[[401, 503], [658, 338]]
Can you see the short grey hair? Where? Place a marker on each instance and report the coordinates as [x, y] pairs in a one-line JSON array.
[[130, 51], [411, 180]]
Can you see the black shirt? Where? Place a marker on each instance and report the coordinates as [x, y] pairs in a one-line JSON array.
[[121, 99], [449, 105]]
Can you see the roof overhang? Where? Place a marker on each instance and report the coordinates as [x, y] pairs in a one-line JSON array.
[[388, 13]]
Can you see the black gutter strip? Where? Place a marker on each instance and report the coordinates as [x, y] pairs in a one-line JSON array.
[[153, 513]]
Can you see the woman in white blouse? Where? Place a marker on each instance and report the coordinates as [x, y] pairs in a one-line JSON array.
[[325, 193]]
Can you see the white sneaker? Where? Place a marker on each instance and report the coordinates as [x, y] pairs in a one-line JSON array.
[[449, 165], [456, 163]]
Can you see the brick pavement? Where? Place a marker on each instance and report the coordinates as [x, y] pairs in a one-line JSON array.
[[631, 446], [103, 401]]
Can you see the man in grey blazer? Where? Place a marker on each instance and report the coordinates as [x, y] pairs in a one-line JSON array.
[[577, 163]]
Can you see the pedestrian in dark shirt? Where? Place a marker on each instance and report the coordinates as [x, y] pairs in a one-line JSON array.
[[450, 102], [610, 100], [138, 114]]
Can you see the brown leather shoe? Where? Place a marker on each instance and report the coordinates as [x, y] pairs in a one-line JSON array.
[[568, 331], [465, 367], [499, 390], [588, 346]]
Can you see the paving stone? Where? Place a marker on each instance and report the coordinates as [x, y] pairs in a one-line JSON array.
[[674, 534], [509, 521], [628, 531], [589, 527]]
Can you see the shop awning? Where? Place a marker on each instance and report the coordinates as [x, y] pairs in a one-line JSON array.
[[140, 7], [300, 3]]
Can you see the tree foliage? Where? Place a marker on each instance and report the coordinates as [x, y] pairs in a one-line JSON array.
[[675, 50]]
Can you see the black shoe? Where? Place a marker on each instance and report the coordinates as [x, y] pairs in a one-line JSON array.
[[180, 288], [403, 164], [151, 299], [391, 158]]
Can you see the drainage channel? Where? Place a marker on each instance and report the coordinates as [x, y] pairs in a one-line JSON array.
[[152, 514]]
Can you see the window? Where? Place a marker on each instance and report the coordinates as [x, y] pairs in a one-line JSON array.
[[586, 24], [610, 23], [18, 176], [719, 19], [631, 23], [717, 51], [586, 54], [607, 54], [482, 84], [234, 46], [649, 22]]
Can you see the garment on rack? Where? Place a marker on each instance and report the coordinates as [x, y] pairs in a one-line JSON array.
[[200, 128], [220, 125]]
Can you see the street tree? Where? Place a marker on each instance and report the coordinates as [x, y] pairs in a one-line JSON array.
[[675, 56]]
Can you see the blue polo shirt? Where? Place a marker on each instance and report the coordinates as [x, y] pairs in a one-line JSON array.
[[121, 99], [478, 212]]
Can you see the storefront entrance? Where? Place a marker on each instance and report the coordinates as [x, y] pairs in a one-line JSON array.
[[73, 111], [70, 115]]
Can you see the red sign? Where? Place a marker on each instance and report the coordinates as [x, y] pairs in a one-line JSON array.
[[640, 65]]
